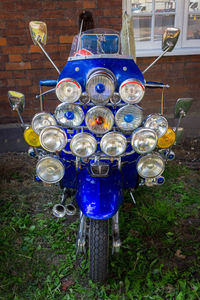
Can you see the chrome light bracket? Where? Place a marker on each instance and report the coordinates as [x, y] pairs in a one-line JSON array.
[[81, 236]]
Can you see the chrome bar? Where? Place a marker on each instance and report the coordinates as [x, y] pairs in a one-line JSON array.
[[38, 42], [49, 91], [155, 61]]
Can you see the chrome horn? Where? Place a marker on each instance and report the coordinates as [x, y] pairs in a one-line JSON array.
[[70, 209], [59, 210]]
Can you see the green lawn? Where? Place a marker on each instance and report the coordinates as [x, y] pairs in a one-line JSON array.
[[159, 257]]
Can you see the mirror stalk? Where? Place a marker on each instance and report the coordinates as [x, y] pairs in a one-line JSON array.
[[39, 44], [155, 61], [20, 117]]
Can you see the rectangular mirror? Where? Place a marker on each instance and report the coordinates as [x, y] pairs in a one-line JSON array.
[[38, 31], [170, 38], [182, 107], [16, 100]]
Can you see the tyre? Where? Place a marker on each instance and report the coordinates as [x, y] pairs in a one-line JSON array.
[[98, 249]]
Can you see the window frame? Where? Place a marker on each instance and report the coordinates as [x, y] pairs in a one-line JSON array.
[[183, 47]]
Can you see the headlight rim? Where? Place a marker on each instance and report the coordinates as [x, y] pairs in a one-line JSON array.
[[73, 104], [91, 137], [121, 109], [42, 113], [156, 114], [67, 79], [140, 129], [111, 133], [52, 157], [152, 154], [53, 127], [132, 80]]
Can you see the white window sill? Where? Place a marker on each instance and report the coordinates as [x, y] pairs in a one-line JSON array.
[[176, 51]]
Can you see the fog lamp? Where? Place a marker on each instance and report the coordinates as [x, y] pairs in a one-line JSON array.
[[31, 137], [42, 120], [151, 165], [113, 144], [144, 140], [129, 117], [158, 123], [68, 90], [53, 138], [167, 140], [99, 119], [83, 145], [50, 169]]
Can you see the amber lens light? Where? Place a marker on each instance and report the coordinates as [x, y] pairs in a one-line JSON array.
[[167, 140], [31, 137], [99, 119]]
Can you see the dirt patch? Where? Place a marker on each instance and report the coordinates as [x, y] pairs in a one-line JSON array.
[[188, 153]]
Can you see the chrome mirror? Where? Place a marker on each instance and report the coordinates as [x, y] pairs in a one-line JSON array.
[[38, 31], [16, 100], [170, 38], [182, 107]]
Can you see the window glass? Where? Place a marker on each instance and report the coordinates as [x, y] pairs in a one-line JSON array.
[[142, 28], [193, 29], [165, 6], [142, 6], [162, 22]]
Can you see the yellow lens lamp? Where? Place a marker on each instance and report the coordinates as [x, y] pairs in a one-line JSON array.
[[31, 137], [167, 140]]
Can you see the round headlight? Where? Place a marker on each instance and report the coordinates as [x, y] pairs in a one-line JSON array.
[[83, 145], [53, 138], [131, 91], [68, 90], [129, 117], [99, 119], [70, 115], [42, 120], [167, 140], [151, 165], [31, 137], [50, 169], [113, 144], [100, 86], [144, 140], [158, 123]]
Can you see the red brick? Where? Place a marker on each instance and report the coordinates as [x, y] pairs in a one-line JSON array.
[[15, 57], [89, 4], [66, 39], [18, 66], [15, 50], [109, 12], [5, 74], [3, 41], [34, 49]]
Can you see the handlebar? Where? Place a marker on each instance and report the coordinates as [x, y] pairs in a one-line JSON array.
[[154, 84], [50, 82]]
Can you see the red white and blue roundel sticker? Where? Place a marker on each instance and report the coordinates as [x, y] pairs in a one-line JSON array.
[[82, 52]]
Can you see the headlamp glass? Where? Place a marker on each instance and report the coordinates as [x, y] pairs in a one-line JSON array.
[[144, 140], [53, 138], [167, 140], [83, 145], [113, 144], [129, 117], [68, 90], [131, 91], [70, 115], [42, 120], [31, 137], [158, 123], [50, 169], [151, 165], [99, 120], [100, 86]]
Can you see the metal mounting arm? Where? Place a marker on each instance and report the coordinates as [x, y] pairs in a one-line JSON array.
[[39, 44], [155, 61]]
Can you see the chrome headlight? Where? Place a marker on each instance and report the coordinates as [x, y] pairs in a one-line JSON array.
[[100, 86], [151, 165], [99, 119], [129, 117], [83, 145], [50, 169], [53, 138], [113, 144], [131, 91], [158, 123], [70, 115], [42, 120], [68, 90], [144, 140]]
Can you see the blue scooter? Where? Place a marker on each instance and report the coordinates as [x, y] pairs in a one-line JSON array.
[[97, 142]]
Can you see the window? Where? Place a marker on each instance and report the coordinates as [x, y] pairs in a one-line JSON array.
[[151, 17]]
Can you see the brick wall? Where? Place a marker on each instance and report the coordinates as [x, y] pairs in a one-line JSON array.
[[22, 64]]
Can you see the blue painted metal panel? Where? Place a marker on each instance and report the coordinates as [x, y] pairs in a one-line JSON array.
[[99, 197], [122, 69]]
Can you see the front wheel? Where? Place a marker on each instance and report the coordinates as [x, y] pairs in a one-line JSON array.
[[98, 249]]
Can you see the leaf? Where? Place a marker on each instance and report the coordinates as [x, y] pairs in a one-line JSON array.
[[179, 255], [66, 284]]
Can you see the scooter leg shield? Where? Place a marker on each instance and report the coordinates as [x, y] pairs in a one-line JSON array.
[[99, 197]]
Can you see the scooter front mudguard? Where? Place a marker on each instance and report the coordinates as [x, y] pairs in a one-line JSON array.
[[99, 197]]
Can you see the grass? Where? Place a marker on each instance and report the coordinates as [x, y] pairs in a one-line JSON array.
[[159, 257]]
